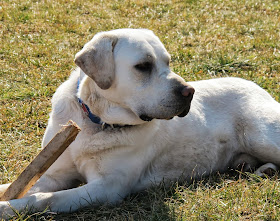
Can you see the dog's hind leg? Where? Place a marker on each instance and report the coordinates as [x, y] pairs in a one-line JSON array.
[[268, 169], [264, 138]]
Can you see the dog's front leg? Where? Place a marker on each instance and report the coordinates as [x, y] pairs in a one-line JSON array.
[[61, 175], [91, 194]]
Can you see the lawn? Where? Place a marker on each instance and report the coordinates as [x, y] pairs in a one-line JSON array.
[[206, 39]]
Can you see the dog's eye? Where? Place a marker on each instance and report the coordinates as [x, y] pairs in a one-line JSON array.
[[144, 67]]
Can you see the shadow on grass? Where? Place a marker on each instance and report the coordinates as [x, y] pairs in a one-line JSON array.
[[152, 204], [156, 203]]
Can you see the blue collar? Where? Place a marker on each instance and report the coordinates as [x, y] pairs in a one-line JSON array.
[[85, 108], [95, 119]]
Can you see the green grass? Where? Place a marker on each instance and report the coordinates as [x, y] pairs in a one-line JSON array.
[[206, 39]]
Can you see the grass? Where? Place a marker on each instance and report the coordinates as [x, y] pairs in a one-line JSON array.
[[207, 39]]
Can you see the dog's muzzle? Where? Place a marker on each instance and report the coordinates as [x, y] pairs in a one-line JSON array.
[[187, 93], [180, 106]]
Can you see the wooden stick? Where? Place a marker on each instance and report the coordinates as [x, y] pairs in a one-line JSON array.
[[42, 162]]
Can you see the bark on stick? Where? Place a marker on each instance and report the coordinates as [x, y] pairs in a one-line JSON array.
[[42, 162]]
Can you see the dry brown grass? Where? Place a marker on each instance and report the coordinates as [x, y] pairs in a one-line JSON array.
[[205, 38]]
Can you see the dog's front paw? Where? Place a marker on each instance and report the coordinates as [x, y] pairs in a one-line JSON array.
[[6, 210]]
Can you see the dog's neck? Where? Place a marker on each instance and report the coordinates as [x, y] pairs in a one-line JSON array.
[[85, 108], [88, 111]]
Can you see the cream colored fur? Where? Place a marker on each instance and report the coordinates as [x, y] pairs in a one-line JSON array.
[[231, 122]]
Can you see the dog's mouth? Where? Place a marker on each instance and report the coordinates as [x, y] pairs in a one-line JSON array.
[[145, 117], [181, 113], [184, 112]]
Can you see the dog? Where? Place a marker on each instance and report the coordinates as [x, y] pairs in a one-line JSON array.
[[142, 123]]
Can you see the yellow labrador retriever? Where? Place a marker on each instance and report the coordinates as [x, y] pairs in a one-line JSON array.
[[138, 127]]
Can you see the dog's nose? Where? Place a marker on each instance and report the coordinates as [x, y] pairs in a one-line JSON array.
[[187, 90]]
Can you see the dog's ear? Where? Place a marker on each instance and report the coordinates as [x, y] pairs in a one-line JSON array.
[[96, 59]]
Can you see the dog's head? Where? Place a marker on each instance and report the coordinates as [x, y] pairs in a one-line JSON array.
[[129, 79]]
